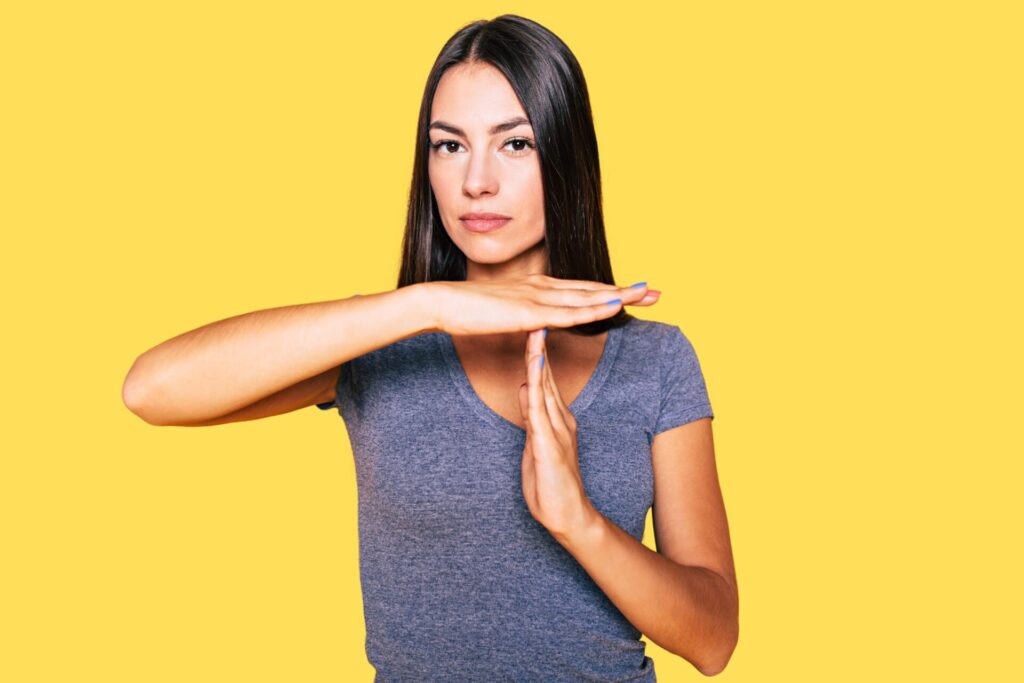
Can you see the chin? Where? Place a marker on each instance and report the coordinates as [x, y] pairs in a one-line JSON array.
[[496, 248], [489, 256]]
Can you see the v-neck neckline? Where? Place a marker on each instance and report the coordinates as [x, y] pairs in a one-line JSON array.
[[461, 380]]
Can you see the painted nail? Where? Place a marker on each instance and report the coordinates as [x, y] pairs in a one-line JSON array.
[[545, 333], [542, 362], [639, 284], [614, 301]]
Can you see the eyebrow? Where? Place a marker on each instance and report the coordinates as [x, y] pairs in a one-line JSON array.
[[495, 129]]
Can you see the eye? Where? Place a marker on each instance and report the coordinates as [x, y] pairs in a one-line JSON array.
[[443, 147], [525, 149], [444, 143]]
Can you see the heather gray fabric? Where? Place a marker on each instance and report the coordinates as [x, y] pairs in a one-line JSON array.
[[459, 582]]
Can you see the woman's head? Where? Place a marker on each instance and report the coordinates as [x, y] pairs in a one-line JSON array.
[[483, 160], [544, 173]]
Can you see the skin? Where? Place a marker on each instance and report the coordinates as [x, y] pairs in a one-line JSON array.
[[484, 172], [683, 596]]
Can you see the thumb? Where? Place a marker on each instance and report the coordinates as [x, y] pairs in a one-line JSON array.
[[524, 403]]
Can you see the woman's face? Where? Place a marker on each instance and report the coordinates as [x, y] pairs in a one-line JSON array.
[[482, 160]]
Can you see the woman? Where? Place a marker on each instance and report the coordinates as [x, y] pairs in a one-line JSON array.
[[511, 423]]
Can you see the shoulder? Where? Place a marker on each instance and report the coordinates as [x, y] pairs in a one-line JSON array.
[[648, 328], [403, 350], [653, 338], [418, 353], [665, 351], [406, 368]]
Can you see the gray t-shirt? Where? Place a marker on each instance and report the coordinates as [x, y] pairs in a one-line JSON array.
[[459, 582]]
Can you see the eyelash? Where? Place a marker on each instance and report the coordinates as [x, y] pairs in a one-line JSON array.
[[436, 146]]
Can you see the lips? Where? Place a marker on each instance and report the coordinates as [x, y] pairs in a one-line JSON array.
[[484, 222], [483, 216]]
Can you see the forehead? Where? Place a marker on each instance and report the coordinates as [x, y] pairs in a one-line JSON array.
[[474, 97]]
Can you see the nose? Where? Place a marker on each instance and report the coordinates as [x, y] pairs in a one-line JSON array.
[[480, 176]]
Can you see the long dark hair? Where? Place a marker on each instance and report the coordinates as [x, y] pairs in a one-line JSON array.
[[549, 83]]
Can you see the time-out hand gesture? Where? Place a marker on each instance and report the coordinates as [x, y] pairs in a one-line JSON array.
[[552, 484], [531, 302]]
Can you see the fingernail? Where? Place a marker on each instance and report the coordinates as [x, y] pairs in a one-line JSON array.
[[639, 284], [614, 301], [542, 361], [545, 333]]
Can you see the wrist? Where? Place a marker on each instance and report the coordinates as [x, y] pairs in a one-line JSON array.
[[425, 304], [587, 533]]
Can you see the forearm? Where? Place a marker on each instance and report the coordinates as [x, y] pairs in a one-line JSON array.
[[689, 611], [231, 363]]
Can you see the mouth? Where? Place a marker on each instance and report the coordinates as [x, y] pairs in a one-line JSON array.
[[484, 224]]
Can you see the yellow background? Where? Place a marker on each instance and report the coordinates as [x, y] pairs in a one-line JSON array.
[[828, 194]]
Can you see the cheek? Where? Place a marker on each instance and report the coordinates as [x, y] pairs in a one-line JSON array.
[[435, 185], [438, 186], [440, 181], [535, 200]]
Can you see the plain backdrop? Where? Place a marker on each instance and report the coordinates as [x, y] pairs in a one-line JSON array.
[[828, 194]]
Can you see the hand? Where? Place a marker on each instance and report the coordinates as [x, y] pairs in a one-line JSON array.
[[552, 484], [528, 303]]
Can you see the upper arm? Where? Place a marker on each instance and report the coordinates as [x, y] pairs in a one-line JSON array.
[[313, 390], [690, 525], [689, 514]]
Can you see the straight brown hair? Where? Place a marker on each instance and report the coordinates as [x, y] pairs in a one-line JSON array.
[[550, 85]]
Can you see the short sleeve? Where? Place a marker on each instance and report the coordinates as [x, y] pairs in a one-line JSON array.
[[338, 388], [684, 395]]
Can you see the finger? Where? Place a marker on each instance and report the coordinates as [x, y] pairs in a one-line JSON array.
[[524, 404], [524, 389], [549, 374], [553, 399], [569, 316], [562, 283], [537, 412], [588, 297], [528, 347], [649, 299]]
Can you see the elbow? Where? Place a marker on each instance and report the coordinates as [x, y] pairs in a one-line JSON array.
[[134, 393], [725, 644], [714, 670], [133, 397], [716, 664]]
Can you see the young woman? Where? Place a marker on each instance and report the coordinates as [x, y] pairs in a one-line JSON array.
[[511, 423]]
